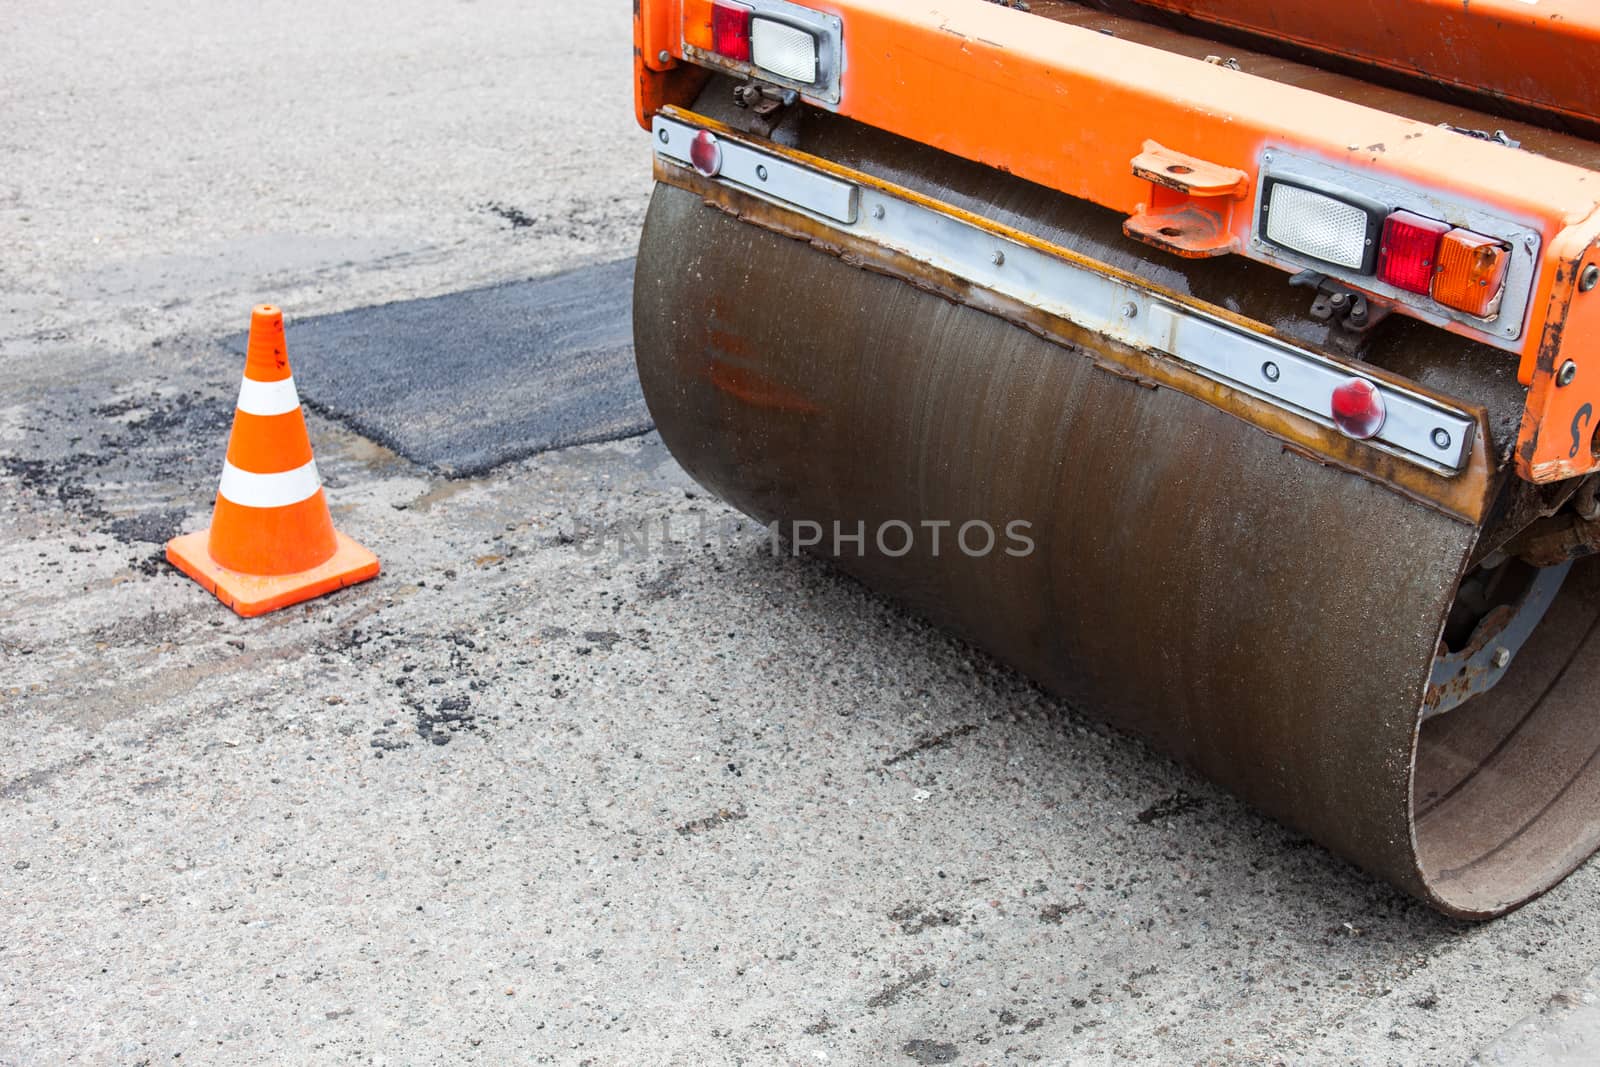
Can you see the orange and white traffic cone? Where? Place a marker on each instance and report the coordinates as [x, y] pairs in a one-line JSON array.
[[271, 542]]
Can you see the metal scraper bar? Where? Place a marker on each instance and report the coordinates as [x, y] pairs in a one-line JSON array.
[[1417, 428]]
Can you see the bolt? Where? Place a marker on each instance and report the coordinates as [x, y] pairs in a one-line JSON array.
[[998, 258], [1502, 656], [1568, 371], [663, 136], [1270, 371], [877, 211], [1130, 310], [761, 172], [1441, 438], [664, 56], [1589, 279]]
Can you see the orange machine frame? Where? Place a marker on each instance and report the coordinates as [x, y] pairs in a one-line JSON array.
[[1093, 117], [1520, 51]]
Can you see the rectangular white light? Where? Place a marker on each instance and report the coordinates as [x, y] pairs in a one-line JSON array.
[[1322, 227], [784, 50]]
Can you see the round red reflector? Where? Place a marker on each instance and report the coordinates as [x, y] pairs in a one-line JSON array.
[[706, 154], [1358, 409]]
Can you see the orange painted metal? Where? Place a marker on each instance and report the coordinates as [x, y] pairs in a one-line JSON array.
[[657, 81], [1190, 212], [1560, 435], [1540, 54], [655, 33], [1072, 109]]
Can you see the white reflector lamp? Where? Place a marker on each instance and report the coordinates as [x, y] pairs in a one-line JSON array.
[[1338, 229], [784, 50]]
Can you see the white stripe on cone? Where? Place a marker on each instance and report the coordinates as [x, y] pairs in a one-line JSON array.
[[268, 398], [269, 490]]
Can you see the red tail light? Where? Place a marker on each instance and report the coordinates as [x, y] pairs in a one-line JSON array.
[[730, 30], [1409, 251], [1358, 409]]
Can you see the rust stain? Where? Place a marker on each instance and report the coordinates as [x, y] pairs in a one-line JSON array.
[[1126, 375], [731, 343], [756, 389]]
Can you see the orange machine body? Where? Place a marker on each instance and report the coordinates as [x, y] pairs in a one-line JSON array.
[[1177, 143], [1523, 52]]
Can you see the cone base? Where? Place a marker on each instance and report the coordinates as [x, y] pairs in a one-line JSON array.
[[250, 594]]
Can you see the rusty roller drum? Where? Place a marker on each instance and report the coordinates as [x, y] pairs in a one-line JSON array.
[[1269, 619]]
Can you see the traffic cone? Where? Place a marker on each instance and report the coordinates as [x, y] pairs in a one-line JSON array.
[[271, 542]]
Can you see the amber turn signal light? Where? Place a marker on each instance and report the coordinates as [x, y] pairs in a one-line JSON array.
[[1471, 273]]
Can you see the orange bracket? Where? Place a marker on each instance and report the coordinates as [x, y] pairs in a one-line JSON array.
[[1560, 435], [1190, 210]]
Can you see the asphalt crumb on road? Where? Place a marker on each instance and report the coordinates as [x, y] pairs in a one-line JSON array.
[[1179, 803], [892, 992], [1054, 913], [448, 718], [931, 742], [604, 639], [928, 1052], [102, 463], [135, 468], [915, 918], [721, 817], [153, 527], [519, 219]]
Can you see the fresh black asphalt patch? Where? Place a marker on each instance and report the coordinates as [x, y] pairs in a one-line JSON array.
[[468, 381]]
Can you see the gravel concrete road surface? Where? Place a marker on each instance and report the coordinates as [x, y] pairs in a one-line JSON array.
[[551, 790]]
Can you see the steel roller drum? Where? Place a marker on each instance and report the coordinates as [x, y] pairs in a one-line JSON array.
[[1266, 618]]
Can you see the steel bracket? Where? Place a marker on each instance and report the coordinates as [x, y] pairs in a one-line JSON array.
[[1190, 210]]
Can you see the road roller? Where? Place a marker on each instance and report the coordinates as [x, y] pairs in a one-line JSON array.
[[1230, 367]]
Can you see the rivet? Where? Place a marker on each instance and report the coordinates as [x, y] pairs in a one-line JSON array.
[[1530, 242], [1270, 371], [1589, 278], [1441, 438], [664, 56], [1568, 371], [761, 172], [998, 258], [877, 211]]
